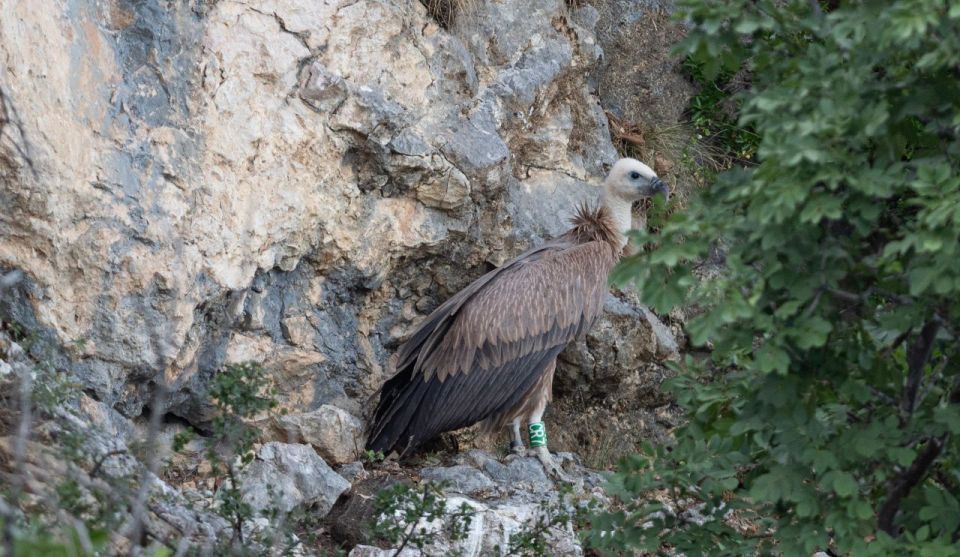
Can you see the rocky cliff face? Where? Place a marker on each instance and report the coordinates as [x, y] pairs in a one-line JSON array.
[[189, 184]]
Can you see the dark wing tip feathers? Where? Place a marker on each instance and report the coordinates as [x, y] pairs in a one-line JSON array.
[[418, 410]]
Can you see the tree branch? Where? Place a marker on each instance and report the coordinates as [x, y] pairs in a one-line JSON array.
[[846, 296], [864, 297], [918, 353], [907, 481]]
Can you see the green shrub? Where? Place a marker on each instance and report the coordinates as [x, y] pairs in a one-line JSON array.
[[828, 416], [239, 392]]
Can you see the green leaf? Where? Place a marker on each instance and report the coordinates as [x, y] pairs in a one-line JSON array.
[[771, 358], [844, 484], [812, 332], [862, 510], [949, 417]]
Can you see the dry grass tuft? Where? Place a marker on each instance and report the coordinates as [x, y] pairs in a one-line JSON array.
[[447, 12]]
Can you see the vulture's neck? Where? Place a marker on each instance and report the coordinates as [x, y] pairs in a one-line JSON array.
[[621, 212]]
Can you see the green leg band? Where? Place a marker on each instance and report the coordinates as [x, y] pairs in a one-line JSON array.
[[538, 434]]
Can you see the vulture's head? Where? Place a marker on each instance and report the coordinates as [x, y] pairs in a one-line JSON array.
[[632, 180]]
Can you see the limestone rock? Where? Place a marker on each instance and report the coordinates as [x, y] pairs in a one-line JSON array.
[[461, 478], [297, 330], [519, 473], [497, 515], [285, 476], [323, 90], [639, 78], [621, 344], [667, 347], [336, 434], [352, 471], [373, 551]]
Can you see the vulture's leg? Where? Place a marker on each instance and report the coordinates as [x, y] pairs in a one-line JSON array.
[[516, 445], [538, 442]]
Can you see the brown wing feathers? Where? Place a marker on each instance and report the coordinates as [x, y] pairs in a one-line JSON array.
[[481, 352]]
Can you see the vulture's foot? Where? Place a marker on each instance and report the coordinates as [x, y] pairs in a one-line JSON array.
[[517, 448], [550, 465]]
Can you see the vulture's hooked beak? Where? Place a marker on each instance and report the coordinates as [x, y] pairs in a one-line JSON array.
[[659, 186]]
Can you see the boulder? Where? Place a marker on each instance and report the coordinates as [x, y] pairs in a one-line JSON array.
[[460, 478], [336, 434], [285, 476]]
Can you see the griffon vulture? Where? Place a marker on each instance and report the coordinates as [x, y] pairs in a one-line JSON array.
[[489, 352]]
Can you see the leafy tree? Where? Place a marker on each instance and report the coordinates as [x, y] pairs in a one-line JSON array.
[[828, 415]]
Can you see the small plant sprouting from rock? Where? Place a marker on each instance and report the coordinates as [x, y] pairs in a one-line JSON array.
[[89, 500], [239, 391], [406, 516], [371, 456]]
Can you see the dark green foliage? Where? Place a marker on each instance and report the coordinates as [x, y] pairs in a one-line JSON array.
[[829, 414], [713, 111], [238, 390]]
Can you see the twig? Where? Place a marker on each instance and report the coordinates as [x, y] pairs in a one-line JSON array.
[[96, 467], [238, 516], [157, 407], [630, 135], [813, 304], [846, 296], [865, 296], [816, 298], [409, 535]]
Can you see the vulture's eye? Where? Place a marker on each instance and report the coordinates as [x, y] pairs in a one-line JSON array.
[[634, 175]]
